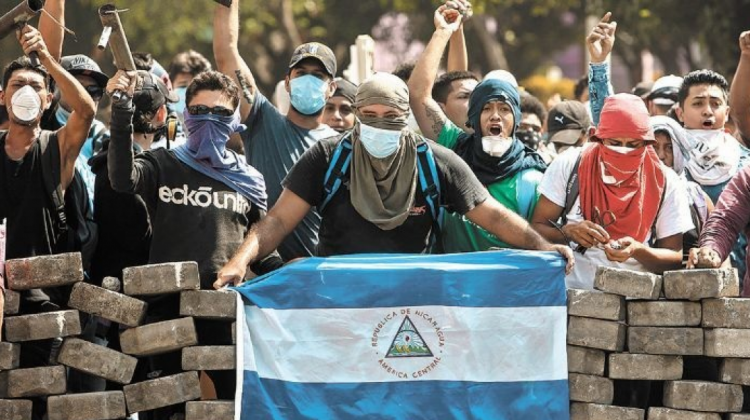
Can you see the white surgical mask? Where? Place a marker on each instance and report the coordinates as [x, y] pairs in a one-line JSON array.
[[620, 149], [26, 104], [496, 145], [378, 142]]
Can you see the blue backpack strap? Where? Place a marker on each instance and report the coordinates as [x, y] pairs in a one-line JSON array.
[[429, 183], [337, 170]]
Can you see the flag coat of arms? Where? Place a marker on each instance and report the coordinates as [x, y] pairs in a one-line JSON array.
[[458, 336]]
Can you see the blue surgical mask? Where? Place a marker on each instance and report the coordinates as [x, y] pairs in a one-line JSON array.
[[378, 142], [62, 115], [308, 94], [179, 106]]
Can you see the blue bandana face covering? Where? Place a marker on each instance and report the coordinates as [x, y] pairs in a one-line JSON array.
[[308, 94], [206, 152], [209, 133]]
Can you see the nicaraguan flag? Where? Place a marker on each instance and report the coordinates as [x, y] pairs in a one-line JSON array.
[[460, 336]]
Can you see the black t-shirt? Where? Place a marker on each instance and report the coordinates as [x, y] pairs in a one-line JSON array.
[[344, 231], [193, 216], [25, 202]]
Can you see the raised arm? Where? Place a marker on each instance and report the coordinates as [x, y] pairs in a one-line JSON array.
[[739, 100], [53, 32], [264, 237], [125, 175], [429, 115], [226, 50], [600, 42], [458, 57], [71, 136]]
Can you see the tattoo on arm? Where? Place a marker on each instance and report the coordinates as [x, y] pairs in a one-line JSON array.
[[436, 117]]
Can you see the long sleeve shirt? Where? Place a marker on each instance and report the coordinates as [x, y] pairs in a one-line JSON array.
[[599, 89], [193, 217], [730, 217]]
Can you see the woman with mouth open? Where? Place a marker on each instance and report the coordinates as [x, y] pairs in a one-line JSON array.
[[509, 170]]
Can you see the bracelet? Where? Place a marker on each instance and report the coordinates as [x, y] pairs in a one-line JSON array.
[[560, 229]]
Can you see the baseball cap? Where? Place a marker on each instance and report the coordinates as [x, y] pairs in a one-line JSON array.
[[624, 116], [566, 120], [80, 64], [665, 89], [317, 51], [642, 89], [151, 92]]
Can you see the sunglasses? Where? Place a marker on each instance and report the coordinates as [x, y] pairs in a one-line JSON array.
[[216, 110], [95, 92]]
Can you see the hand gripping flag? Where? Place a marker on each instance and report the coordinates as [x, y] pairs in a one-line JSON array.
[[459, 336]]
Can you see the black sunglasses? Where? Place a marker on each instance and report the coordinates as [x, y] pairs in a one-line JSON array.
[[95, 92], [203, 110]]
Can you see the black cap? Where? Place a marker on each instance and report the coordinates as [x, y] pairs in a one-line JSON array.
[[345, 89], [317, 51], [80, 64], [151, 92], [566, 120]]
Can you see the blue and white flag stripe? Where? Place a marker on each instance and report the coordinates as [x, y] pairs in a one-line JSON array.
[[455, 280], [471, 336], [346, 345]]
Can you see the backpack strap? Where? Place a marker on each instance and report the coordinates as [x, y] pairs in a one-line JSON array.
[[337, 171], [572, 190], [51, 174], [429, 183]]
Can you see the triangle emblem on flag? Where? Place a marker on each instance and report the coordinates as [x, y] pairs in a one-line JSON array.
[[408, 342]]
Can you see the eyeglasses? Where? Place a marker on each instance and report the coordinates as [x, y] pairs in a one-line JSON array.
[[216, 110], [95, 92]]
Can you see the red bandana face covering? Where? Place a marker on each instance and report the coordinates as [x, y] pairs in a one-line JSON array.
[[628, 186]]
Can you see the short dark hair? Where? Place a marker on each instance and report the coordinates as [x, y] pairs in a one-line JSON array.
[[213, 80], [701, 77], [189, 61], [23, 63], [531, 105], [581, 85], [443, 88], [403, 71], [143, 61]]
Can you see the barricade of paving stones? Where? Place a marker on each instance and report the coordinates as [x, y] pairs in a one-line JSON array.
[[19, 386], [641, 330]]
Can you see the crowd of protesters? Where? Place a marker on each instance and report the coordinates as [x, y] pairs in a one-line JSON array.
[[196, 164]]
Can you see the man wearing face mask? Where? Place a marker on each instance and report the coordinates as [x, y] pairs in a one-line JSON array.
[[509, 170], [715, 156], [90, 76], [198, 193], [614, 197], [124, 227], [381, 205], [29, 157], [275, 142]]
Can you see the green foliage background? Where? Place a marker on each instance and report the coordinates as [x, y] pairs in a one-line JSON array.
[[701, 33]]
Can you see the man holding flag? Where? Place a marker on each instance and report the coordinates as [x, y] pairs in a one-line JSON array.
[[380, 207]]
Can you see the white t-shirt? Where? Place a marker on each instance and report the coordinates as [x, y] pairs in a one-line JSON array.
[[673, 218]]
